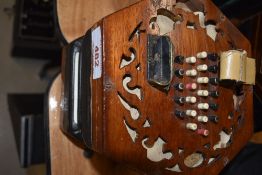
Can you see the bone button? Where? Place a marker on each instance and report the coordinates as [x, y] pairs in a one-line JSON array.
[[191, 126], [202, 55], [202, 80], [191, 73], [203, 119], [179, 86], [203, 106], [202, 93], [203, 132], [191, 113], [191, 86], [191, 60], [191, 99], [202, 67]]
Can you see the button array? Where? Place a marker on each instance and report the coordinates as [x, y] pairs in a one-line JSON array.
[[197, 90]]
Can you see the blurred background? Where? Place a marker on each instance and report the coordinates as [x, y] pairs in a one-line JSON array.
[[30, 52], [29, 59]]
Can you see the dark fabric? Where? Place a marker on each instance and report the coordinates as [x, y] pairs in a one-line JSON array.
[[247, 162], [239, 8], [257, 115]]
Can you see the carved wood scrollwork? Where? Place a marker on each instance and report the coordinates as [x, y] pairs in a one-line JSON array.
[[158, 148]]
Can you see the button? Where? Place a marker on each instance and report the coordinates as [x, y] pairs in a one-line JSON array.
[[202, 93], [191, 99], [202, 67], [203, 106], [191, 73], [213, 106], [179, 86], [203, 132], [213, 69], [213, 56], [179, 72], [214, 81], [202, 118], [191, 60], [202, 80], [191, 126], [191, 86], [213, 118], [191, 113], [202, 55], [180, 100], [180, 114], [179, 59], [214, 94]]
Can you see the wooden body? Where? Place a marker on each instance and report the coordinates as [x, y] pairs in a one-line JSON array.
[[109, 116], [110, 134]]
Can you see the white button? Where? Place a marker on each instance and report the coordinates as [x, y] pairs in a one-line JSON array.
[[191, 86], [202, 80], [202, 118], [191, 113], [203, 93], [191, 99], [191, 126], [191, 73], [202, 67], [202, 106], [191, 60], [202, 55]]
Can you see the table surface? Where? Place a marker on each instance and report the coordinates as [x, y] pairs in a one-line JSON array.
[[67, 158], [76, 17]]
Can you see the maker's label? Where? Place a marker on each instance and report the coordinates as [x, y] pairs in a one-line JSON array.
[[97, 52]]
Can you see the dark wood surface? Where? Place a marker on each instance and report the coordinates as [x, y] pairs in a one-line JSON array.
[[111, 137]]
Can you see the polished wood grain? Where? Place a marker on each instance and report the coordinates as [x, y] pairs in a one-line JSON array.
[[115, 141], [76, 17], [257, 138]]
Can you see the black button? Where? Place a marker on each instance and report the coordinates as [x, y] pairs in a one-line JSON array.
[[213, 56], [179, 72], [213, 118], [180, 100], [214, 93], [213, 69], [214, 81], [179, 59], [213, 106], [180, 114], [179, 86]]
